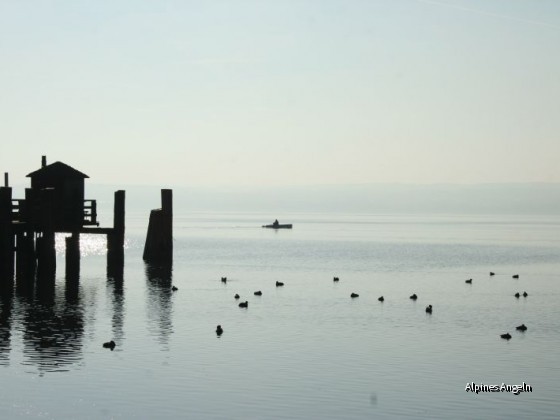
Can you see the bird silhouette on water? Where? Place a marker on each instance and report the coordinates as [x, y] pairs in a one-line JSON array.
[[525, 294], [279, 284], [109, 345], [506, 336], [236, 296], [517, 295], [224, 279], [521, 327], [515, 276], [469, 281], [258, 293], [244, 304], [354, 295], [380, 298], [335, 279], [414, 297], [219, 330], [429, 309], [174, 288], [492, 273]]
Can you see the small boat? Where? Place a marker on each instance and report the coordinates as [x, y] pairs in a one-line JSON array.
[[278, 226]]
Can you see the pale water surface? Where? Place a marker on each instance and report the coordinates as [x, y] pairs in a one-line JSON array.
[[306, 350]]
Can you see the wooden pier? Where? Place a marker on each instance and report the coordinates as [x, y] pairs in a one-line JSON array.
[[54, 203]]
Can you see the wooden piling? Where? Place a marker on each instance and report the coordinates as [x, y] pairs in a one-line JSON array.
[[115, 239], [159, 239], [6, 237], [25, 256], [73, 256], [46, 255]]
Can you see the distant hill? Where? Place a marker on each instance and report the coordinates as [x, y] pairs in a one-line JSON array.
[[382, 198], [539, 198]]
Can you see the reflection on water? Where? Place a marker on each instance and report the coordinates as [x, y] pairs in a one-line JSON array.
[[159, 280], [115, 287], [49, 317], [52, 330], [5, 328], [305, 350], [90, 244]]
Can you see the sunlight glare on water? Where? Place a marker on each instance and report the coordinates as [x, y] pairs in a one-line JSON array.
[[90, 244]]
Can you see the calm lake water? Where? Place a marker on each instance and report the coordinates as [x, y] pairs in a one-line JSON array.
[[305, 350]]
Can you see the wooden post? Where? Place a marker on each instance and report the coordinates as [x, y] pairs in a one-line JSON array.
[[115, 239], [119, 216], [22, 255], [73, 256], [159, 239], [6, 237], [46, 268], [167, 213], [25, 259]]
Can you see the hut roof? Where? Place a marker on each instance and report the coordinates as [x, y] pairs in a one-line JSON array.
[[57, 170]]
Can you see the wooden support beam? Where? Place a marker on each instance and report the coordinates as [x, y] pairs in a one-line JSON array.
[[6, 238], [115, 239], [73, 257], [46, 265], [25, 257], [159, 238]]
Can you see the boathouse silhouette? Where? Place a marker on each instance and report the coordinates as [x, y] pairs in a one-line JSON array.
[[70, 211], [55, 202]]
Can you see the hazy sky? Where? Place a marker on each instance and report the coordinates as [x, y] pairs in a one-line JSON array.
[[290, 92]]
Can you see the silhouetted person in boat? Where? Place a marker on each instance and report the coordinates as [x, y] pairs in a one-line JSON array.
[[275, 224]]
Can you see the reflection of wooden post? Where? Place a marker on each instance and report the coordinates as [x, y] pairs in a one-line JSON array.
[[159, 239], [73, 256], [115, 239], [6, 236]]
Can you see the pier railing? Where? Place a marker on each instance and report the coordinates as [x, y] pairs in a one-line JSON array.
[[20, 212], [90, 213]]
